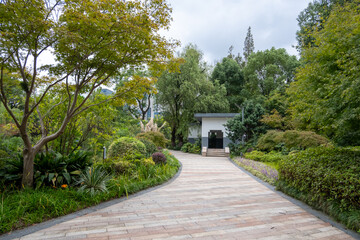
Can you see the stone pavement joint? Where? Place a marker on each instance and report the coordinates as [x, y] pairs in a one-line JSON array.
[[211, 199]]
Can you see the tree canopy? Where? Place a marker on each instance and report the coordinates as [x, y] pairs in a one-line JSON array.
[[229, 73], [91, 42], [269, 70], [183, 93], [324, 96]]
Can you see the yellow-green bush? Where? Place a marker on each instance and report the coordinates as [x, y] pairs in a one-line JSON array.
[[291, 139], [156, 137], [126, 146]]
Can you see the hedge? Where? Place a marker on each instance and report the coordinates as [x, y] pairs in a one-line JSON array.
[[327, 173]]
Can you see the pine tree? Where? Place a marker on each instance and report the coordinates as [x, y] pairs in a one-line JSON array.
[[248, 45]]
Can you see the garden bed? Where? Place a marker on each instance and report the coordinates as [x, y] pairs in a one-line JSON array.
[[19, 209]]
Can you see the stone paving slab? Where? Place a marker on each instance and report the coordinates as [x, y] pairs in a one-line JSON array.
[[211, 199]]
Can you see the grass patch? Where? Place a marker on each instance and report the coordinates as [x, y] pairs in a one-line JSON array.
[[19, 209]]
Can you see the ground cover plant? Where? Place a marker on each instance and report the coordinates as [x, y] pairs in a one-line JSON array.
[[259, 169], [21, 208], [325, 178]]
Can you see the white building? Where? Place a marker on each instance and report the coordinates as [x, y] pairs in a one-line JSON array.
[[211, 130]]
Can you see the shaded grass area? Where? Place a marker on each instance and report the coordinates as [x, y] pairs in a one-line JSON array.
[[19, 209], [261, 170]]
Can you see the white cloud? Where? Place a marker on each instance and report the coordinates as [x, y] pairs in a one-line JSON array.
[[214, 25]]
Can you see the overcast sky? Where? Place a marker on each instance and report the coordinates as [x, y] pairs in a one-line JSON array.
[[215, 25]]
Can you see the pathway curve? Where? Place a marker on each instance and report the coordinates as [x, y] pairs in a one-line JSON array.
[[211, 199]]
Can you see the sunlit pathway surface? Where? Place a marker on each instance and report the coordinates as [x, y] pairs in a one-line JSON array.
[[211, 199]]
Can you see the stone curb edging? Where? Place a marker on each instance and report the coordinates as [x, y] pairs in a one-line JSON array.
[[43, 225], [302, 205]]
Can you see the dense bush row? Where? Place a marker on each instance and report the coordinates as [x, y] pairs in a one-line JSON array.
[[329, 173], [327, 178], [289, 140], [264, 157]]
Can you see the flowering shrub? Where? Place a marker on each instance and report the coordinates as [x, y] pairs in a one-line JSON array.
[[265, 172], [159, 158]]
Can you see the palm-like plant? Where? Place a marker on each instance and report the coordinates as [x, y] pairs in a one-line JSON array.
[[93, 180]]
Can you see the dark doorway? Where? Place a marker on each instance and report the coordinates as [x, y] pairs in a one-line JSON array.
[[216, 139]]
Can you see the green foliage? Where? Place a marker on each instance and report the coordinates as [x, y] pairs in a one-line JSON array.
[[11, 173], [93, 181], [268, 71], [188, 91], [126, 146], [123, 167], [328, 174], [251, 127], [25, 208], [156, 137], [324, 97], [291, 140], [150, 146], [272, 156], [54, 169], [51, 169], [90, 42], [11, 145], [312, 19], [191, 148], [248, 45], [229, 74], [159, 158]]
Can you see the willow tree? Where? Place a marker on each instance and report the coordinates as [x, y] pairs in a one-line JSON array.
[[90, 41]]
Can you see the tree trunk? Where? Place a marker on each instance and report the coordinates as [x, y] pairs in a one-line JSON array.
[[173, 137], [180, 139], [28, 168]]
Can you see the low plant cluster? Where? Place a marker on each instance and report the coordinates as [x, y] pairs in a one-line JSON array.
[[191, 148], [327, 178], [261, 170], [50, 169]]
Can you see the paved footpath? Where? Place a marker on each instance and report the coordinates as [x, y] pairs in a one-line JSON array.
[[211, 199]]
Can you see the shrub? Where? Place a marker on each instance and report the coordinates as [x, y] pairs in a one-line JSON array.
[[191, 148], [186, 147], [156, 137], [123, 167], [126, 146], [54, 169], [264, 157], [159, 158], [150, 146], [93, 180], [148, 162], [325, 173], [290, 140]]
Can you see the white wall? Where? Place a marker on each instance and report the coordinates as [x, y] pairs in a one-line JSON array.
[[213, 124]]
